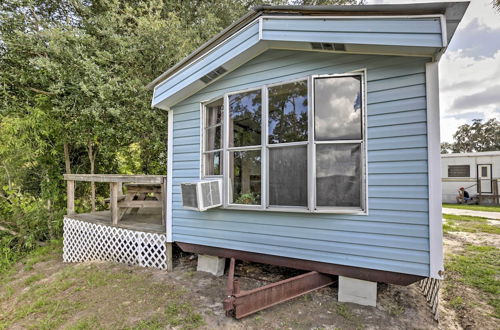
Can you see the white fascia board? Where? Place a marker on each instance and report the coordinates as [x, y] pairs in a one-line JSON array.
[[196, 86], [434, 172]]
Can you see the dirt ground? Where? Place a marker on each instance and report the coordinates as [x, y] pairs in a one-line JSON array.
[[49, 294]]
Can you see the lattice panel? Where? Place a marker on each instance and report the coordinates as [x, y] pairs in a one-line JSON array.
[[430, 289], [85, 241]]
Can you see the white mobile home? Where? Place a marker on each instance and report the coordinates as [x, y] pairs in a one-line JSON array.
[[477, 172]]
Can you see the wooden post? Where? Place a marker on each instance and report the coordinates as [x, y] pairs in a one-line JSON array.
[[70, 208], [113, 202], [163, 202]]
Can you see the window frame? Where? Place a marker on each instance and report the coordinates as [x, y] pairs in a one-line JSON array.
[[363, 208], [310, 143], [203, 128]]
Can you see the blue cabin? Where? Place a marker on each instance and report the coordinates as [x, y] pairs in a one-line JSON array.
[[321, 124]]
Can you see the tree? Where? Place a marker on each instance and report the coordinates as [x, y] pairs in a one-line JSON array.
[[73, 96], [475, 137], [446, 147]]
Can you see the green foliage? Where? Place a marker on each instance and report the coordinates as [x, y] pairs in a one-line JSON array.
[[475, 137], [248, 198], [73, 97]]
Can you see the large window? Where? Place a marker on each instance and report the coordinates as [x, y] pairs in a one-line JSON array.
[[294, 146]]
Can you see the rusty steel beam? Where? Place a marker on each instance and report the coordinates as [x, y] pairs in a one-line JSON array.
[[366, 274], [244, 303]]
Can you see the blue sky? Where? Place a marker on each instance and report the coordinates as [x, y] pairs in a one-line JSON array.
[[470, 68]]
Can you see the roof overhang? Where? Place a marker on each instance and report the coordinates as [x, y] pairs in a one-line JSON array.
[[422, 29]]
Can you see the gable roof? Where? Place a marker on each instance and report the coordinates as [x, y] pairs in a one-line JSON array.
[[420, 29]]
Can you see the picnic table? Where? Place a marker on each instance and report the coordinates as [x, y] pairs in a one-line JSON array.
[[142, 191]]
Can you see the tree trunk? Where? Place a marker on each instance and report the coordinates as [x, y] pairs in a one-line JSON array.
[[91, 153], [67, 161]]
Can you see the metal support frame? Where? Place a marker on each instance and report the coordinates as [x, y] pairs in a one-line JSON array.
[[366, 274], [243, 303]]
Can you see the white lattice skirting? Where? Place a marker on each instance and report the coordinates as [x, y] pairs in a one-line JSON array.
[[84, 241]]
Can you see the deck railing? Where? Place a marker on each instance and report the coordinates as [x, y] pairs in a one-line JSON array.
[[119, 202]]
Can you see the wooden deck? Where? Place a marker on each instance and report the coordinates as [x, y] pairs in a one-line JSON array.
[[146, 220]]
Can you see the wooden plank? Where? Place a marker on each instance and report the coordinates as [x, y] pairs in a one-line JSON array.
[[70, 209], [139, 188], [162, 200], [113, 203], [151, 179], [139, 204], [170, 263]]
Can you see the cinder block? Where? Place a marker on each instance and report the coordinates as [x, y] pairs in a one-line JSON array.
[[357, 291], [211, 264]]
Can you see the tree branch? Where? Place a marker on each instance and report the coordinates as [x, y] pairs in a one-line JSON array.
[[39, 91]]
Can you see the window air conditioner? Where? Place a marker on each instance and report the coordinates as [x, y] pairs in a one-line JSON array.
[[201, 196]]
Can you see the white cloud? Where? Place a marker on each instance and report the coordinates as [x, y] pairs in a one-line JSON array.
[[470, 68]]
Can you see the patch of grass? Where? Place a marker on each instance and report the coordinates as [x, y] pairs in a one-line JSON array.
[[486, 208], [32, 279], [457, 303], [344, 311], [85, 324], [457, 217], [396, 310], [177, 315], [470, 224], [43, 253], [479, 267]]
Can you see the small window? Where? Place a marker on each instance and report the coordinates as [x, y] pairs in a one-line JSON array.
[[484, 172], [212, 144], [459, 171]]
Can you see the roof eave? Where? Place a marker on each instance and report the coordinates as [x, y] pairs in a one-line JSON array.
[[453, 12]]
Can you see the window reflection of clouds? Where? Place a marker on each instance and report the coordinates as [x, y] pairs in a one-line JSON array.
[[337, 111]]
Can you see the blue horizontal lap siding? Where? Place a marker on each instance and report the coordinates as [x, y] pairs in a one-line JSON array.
[[393, 237], [393, 32]]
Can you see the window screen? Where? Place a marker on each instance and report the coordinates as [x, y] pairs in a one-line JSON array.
[[288, 176]]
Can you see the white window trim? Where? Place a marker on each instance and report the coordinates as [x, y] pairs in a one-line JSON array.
[[265, 146], [203, 120]]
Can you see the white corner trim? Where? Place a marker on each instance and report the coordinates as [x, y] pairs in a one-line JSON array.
[[170, 162], [261, 27], [434, 171], [444, 31]]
